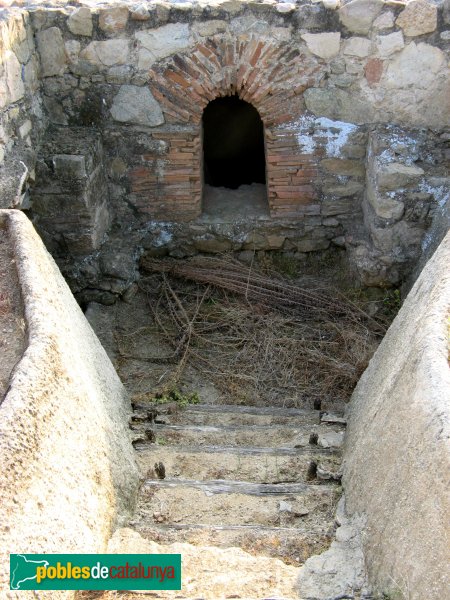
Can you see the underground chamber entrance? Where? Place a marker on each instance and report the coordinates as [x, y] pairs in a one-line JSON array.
[[239, 434], [234, 165]]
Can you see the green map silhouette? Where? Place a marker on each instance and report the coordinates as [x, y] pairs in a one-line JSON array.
[[23, 569]]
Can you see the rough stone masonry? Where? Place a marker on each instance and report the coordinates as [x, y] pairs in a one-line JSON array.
[[101, 129]]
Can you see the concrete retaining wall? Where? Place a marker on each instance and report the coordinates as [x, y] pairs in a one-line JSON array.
[[397, 462], [68, 473]]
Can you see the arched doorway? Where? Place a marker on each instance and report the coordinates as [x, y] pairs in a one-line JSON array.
[[233, 158]]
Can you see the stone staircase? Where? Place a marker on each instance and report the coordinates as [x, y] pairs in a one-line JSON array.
[[246, 493], [236, 488]]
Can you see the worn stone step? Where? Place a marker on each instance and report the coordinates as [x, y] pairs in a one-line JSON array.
[[271, 467], [244, 409], [221, 502], [210, 573], [292, 546], [230, 418], [223, 486], [326, 435], [229, 414], [143, 446]]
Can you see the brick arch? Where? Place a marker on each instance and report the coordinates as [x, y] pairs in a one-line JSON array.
[[266, 73], [271, 76]]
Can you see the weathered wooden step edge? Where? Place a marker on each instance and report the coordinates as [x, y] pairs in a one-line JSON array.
[[272, 436], [223, 486], [235, 408], [241, 450], [244, 528], [307, 416], [229, 428]]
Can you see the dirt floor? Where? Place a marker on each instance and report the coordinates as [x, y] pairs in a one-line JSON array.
[[223, 205], [263, 340], [12, 323]]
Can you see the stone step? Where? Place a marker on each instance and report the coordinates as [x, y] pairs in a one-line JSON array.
[[211, 573], [325, 435], [292, 546], [222, 502], [302, 464], [230, 414]]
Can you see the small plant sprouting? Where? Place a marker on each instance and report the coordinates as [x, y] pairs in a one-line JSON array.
[[392, 301], [175, 395]]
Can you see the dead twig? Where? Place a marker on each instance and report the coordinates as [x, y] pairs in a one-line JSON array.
[[255, 287], [263, 352]]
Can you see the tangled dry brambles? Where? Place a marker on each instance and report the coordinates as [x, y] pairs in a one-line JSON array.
[[258, 338]]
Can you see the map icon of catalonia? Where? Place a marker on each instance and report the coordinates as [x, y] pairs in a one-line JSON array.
[[23, 569]]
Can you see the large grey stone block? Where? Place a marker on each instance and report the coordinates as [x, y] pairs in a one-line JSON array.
[[134, 104]]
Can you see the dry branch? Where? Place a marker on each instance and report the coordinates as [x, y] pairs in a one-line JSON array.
[[257, 288], [269, 342]]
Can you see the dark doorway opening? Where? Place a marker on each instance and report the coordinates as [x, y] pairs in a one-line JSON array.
[[233, 144]]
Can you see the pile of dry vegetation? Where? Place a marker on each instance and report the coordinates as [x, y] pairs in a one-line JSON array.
[[259, 338]]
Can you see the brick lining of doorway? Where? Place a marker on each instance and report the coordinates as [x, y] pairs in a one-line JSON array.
[[259, 72]]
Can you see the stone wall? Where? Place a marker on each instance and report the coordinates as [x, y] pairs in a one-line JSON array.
[[407, 186], [68, 472], [70, 203], [328, 80], [397, 451], [22, 118]]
